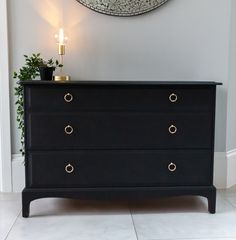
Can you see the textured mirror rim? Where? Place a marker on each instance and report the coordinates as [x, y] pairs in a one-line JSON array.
[[148, 6]]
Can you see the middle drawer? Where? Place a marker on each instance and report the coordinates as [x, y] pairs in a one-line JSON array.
[[118, 131]]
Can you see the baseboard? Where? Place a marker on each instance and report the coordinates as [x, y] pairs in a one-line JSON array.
[[231, 168], [220, 170], [224, 170], [18, 172]]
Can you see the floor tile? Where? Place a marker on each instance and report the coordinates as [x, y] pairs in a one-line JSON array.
[[78, 220], [232, 200], [184, 218], [202, 239], [10, 207]]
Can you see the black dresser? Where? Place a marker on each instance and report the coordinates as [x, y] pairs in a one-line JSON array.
[[118, 140]]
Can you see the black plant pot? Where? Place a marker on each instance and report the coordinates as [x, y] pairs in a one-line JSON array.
[[46, 73]]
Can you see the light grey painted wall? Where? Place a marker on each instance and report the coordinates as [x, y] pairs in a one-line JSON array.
[[231, 114], [183, 40]]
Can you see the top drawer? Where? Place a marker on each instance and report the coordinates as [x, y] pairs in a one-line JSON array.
[[119, 98]]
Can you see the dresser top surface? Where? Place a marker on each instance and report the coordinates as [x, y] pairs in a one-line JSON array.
[[151, 83]]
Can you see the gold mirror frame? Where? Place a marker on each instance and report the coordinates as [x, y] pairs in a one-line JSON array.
[[122, 8]]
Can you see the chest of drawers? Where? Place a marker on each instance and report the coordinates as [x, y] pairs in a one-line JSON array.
[[118, 140]]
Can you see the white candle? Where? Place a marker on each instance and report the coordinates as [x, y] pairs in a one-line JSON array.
[[61, 36]]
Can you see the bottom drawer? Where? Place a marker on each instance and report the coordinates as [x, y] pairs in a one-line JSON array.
[[113, 168]]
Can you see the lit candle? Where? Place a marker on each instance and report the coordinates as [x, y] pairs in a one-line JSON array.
[[61, 41], [61, 37]]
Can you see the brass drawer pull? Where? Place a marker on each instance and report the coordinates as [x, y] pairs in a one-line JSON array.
[[172, 129], [69, 168], [68, 97], [172, 167], [173, 98], [69, 130]]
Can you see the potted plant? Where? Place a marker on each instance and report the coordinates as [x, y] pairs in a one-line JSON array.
[[29, 71], [46, 68]]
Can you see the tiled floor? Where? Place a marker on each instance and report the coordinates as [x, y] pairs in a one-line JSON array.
[[182, 218]]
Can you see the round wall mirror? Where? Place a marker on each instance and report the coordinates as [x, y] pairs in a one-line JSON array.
[[122, 7]]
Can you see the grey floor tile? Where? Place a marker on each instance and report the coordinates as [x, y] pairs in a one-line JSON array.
[[184, 218], [70, 219], [232, 200], [10, 208]]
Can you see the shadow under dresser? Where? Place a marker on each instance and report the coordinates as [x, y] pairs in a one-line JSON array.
[[118, 140]]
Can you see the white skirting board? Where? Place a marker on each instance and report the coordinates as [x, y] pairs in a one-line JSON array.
[[18, 173], [224, 171], [231, 176]]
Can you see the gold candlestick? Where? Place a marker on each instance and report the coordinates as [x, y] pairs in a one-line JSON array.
[[61, 51]]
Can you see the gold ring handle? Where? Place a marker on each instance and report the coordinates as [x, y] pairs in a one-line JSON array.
[[69, 130], [173, 97], [172, 167], [172, 129], [69, 168], [68, 97]]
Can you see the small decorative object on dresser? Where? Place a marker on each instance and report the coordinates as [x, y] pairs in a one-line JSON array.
[[46, 69], [118, 140], [61, 40]]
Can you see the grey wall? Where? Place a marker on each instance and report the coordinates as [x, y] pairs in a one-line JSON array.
[[183, 40], [231, 114]]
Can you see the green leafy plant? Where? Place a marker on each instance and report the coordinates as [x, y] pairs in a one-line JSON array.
[[50, 63], [29, 71]]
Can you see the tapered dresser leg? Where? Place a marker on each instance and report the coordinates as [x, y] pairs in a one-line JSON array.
[[212, 201], [25, 205]]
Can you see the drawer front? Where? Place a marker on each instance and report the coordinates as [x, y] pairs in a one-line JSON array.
[[119, 168], [118, 131], [119, 98]]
